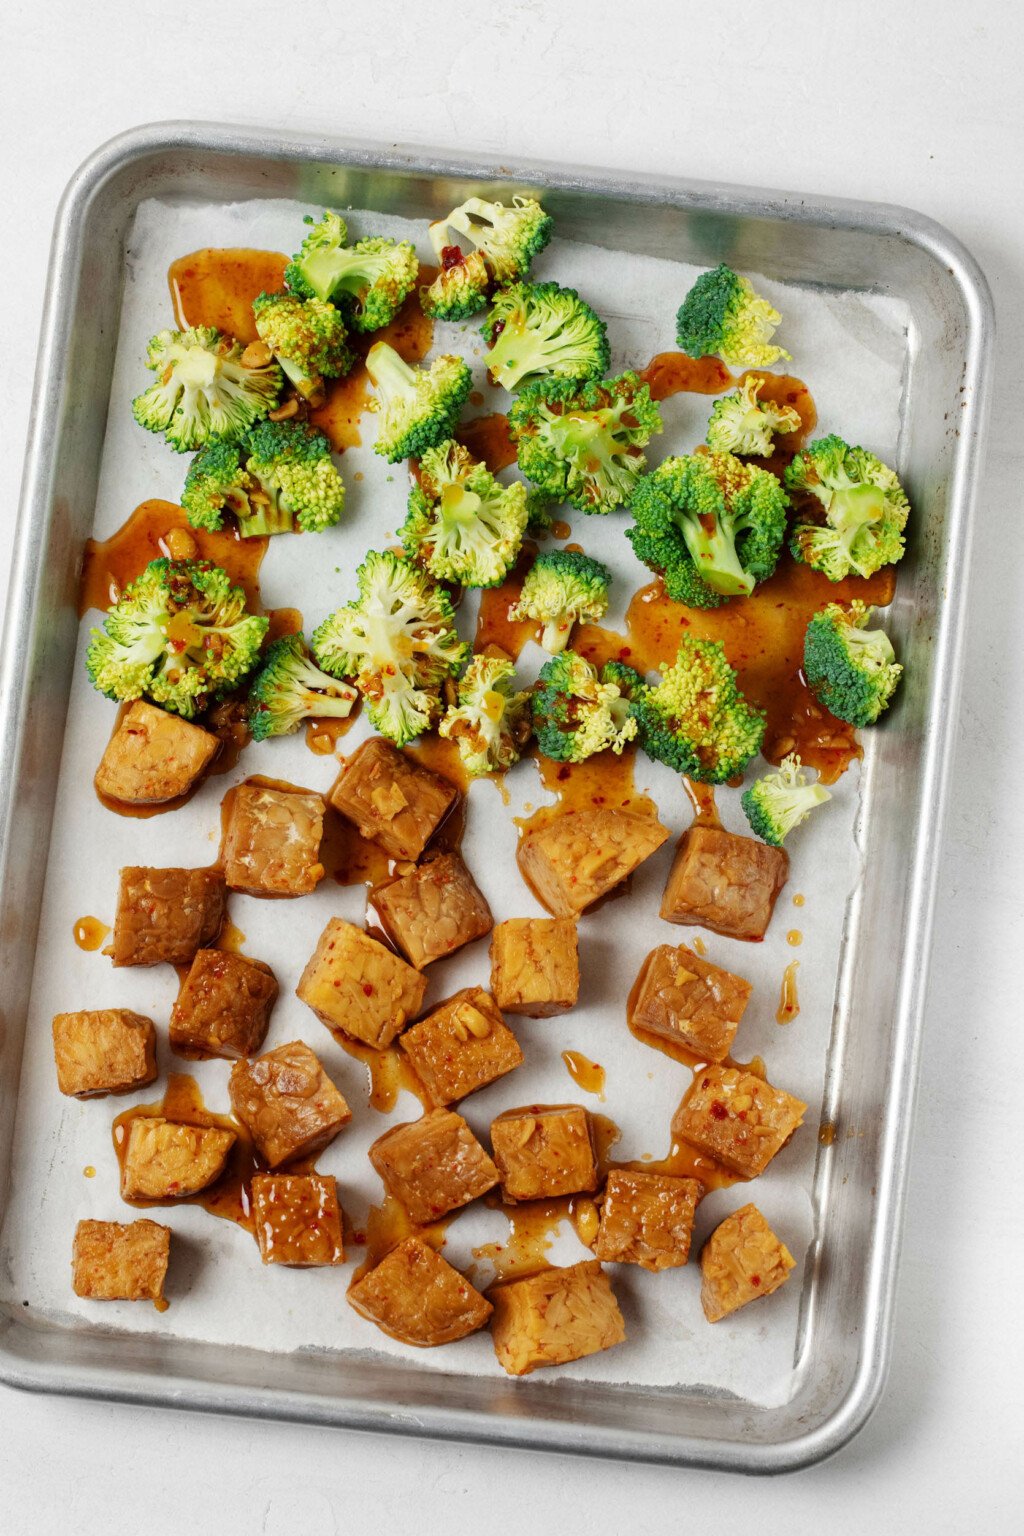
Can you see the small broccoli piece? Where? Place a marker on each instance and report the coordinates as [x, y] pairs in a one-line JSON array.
[[780, 801], [627, 679], [576, 714], [491, 722], [203, 390], [418, 407], [866, 510], [461, 286], [308, 338], [463, 525], [397, 641], [562, 588], [583, 443], [509, 237], [852, 670], [696, 719], [290, 688], [368, 280], [741, 423], [281, 473], [540, 513], [538, 330], [179, 633], [722, 316]]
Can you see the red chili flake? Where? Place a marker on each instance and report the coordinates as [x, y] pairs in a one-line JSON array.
[[718, 1110], [451, 256], [755, 1279], [706, 1083], [367, 989]]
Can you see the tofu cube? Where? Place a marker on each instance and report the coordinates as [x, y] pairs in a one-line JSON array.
[[120, 1262], [433, 911], [580, 856], [223, 1007], [535, 966], [433, 1165], [463, 1045], [543, 1151], [105, 1050], [358, 987], [741, 1260], [724, 882], [297, 1219], [154, 757], [415, 1296], [287, 1103], [271, 843], [392, 799], [737, 1118], [167, 1161], [165, 915], [554, 1317], [684, 999], [647, 1219]]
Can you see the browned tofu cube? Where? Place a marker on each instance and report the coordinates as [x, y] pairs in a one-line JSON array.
[[433, 1165], [463, 1045], [287, 1103], [358, 987], [271, 841], [544, 1150], [223, 1007], [724, 882], [737, 1118], [682, 998], [297, 1219], [120, 1262], [581, 855], [741, 1260], [166, 915], [647, 1219], [153, 757], [167, 1161], [554, 1317], [392, 799], [535, 966], [417, 1297], [433, 911], [106, 1050]]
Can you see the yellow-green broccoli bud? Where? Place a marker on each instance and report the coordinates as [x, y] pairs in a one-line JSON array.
[[696, 719], [538, 330], [583, 443], [780, 801], [460, 288], [368, 281], [202, 389], [417, 408], [508, 237], [290, 688], [491, 721], [307, 336], [576, 714], [722, 316], [563, 587], [851, 670], [463, 525], [741, 423], [279, 475], [865, 509]]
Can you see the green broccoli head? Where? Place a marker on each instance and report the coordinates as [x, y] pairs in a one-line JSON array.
[[696, 719], [180, 634], [865, 508], [583, 443], [562, 588], [576, 714], [202, 388], [460, 288], [722, 316], [307, 336], [538, 330], [627, 679], [279, 475], [509, 237], [491, 721], [368, 281], [463, 525], [780, 801], [417, 407], [852, 670], [290, 688], [741, 423]]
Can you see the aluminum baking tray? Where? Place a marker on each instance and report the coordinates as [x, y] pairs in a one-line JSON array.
[[859, 1180]]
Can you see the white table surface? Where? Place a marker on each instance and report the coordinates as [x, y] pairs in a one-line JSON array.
[[895, 100]]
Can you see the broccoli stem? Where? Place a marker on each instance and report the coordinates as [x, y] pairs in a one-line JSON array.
[[713, 552], [391, 375]]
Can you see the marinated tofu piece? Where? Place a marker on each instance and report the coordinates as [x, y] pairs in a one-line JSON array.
[[271, 841], [647, 1219], [543, 1151], [103, 1050], [358, 987], [392, 799], [115, 1261], [582, 855], [737, 1118], [415, 1296], [223, 1007], [433, 1165], [432, 911], [682, 998], [287, 1103], [724, 882], [463, 1045], [167, 1161], [535, 966], [554, 1317], [166, 915], [297, 1219], [741, 1260], [154, 757]]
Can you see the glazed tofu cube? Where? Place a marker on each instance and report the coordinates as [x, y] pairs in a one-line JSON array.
[[358, 987], [543, 1151], [724, 882], [433, 911], [647, 1219], [581, 855], [287, 1103], [433, 1165], [741, 1260], [535, 966], [554, 1317], [105, 1050], [223, 1007], [297, 1219], [682, 998], [392, 799], [167, 1161], [166, 915], [463, 1045], [113, 1261], [272, 841], [154, 757], [415, 1296], [737, 1118]]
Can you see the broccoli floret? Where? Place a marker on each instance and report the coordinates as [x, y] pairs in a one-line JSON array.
[[397, 641], [741, 423], [538, 330], [722, 316], [308, 337], [460, 288], [696, 720], [780, 801], [852, 670], [290, 688], [540, 513], [491, 722], [866, 510], [418, 407], [562, 588], [463, 525], [576, 714], [583, 443], [710, 524], [202, 389], [280, 474], [180, 633], [368, 280], [627, 679]]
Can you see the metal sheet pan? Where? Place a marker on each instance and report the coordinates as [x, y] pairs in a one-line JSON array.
[[877, 1022]]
